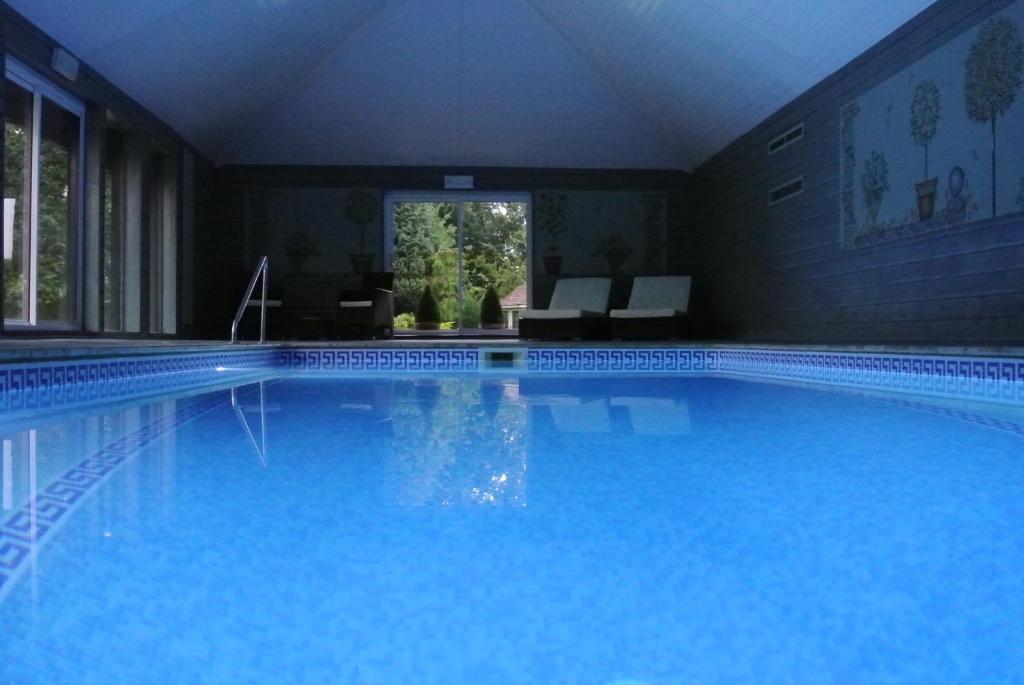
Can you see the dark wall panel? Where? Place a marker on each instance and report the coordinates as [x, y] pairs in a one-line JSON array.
[[220, 251], [780, 272]]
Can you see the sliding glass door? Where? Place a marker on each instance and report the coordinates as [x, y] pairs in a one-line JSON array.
[[42, 201], [447, 250]]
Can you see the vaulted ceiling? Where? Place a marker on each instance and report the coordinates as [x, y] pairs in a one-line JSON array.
[[539, 83]]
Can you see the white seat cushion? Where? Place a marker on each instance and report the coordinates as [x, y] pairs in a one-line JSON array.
[[660, 292], [356, 303], [584, 417], [588, 294], [644, 313], [557, 314]]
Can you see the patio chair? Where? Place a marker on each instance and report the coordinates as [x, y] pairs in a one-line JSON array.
[[657, 309], [370, 311], [577, 311], [656, 415]]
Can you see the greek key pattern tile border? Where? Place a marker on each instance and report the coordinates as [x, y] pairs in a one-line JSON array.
[[629, 360], [37, 520], [381, 359], [982, 378], [27, 386]]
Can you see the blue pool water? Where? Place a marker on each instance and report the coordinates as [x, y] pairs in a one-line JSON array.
[[534, 529]]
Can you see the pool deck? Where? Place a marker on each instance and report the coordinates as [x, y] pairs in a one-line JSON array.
[[13, 350]]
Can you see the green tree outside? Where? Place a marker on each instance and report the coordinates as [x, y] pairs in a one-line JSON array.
[[426, 251]]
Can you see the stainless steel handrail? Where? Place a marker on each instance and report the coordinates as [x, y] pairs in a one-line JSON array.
[[262, 267], [261, 446]]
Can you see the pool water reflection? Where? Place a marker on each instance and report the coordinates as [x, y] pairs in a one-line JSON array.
[[520, 529]]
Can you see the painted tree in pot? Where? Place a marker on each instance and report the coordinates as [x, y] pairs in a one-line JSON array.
[[428, 314], [361, 209], [491, 315], [299, 247], [550, 220], [615, 251], [924, 123], [875, 182], [992, 79]]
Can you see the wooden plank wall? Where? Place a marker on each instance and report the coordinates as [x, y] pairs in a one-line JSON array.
[[778, 273]]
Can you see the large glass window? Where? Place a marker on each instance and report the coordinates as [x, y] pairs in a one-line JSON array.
[[458, 246], [17, 196], [43, 138], [159, 230], [113, 234], [57, 282]]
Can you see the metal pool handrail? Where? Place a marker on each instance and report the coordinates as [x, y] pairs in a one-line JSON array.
[[262, 268]]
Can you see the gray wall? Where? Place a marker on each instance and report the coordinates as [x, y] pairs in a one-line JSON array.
[[616, 207], [780, 273]]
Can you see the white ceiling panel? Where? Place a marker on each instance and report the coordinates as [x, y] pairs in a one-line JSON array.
[[552, 83], [486, 82]]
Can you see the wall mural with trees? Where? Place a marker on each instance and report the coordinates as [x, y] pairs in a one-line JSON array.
[[313, 232], [589, 232], [942, 142], [323, 233]]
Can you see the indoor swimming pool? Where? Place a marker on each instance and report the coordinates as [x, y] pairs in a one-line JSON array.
[[511, 528]]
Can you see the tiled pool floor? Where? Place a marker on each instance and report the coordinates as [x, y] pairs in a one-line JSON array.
[[512, 529]]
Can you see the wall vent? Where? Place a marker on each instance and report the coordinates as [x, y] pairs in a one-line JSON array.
[[786, 191], [786, 139]]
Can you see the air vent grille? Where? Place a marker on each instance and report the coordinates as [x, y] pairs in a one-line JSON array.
[[786, 191], [786, 139]]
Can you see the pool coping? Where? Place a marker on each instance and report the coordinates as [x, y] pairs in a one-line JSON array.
[[121, 371], [14, 351]]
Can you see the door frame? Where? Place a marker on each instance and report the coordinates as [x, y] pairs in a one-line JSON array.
[[456, 197]]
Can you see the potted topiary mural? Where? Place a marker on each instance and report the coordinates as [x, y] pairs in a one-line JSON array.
[[924, 122], [428, 314], [299, 247], [361, 209], [550, 221], [491, 315], [615, 251], [875, 184], [992, 78]]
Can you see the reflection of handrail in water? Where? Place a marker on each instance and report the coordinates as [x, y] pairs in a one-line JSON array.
[[261, 446]]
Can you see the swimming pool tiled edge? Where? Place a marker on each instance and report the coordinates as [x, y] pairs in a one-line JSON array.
[[46, 384], [380, 359], [983, 378], [50, 384]]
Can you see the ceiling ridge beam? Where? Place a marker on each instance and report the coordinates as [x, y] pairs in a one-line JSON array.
[[656, 130], [262, 119]]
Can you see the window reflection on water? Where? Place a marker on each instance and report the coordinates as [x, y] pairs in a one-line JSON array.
[[459, 442]]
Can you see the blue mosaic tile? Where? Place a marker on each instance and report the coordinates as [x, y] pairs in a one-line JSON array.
[[39, 386], [622, 359], [992, 379], [12, 552], [370, 359], [45, 385], [32, 523]]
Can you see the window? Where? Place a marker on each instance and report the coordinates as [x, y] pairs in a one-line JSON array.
[[113, 234], [42, 190], [159, 236]]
